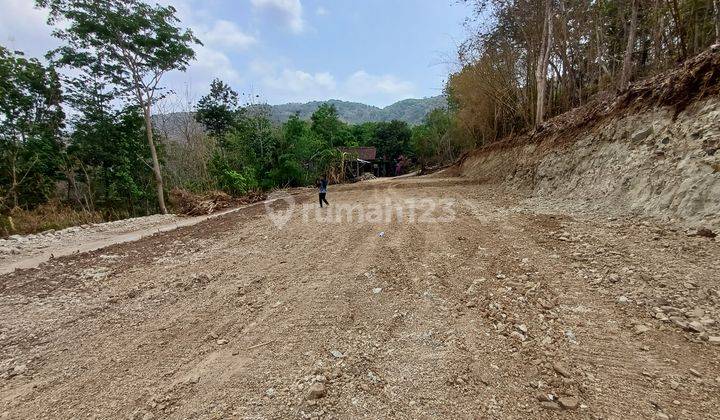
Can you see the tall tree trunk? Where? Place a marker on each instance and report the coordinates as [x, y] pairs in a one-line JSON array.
[[13, 187], [156, 163], [716, 5], [679, 27], [657, 35], [627, 60], [542, 64], [569, 78]]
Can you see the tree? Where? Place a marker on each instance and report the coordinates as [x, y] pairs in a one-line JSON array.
[[326, 124], [218, 109], [392, 139], [135, 45], [716, 6], [31, 119], [542, 62], [108, 154], [529, 60], [429, 138], [631, 32]]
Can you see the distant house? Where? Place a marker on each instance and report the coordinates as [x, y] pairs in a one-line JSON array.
[[359, 160], [363, 153]]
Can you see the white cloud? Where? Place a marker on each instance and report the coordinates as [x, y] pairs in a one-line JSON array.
[[321, 11], [289, 12], [361, 81], [227, 34], [220, 38], [213, 63], [299, 82], [23, 27], [280, 84]]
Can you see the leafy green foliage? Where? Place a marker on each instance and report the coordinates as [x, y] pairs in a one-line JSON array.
[[217, 110], [430, 138], [111, 158], [130, 44], [31, 121], [392, 139]]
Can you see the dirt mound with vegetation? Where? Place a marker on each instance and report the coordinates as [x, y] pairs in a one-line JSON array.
[[650, 150], [190, 204]]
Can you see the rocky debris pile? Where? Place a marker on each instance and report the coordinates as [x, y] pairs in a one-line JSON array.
[[367, 176], [690, 305], [12, 368], [22, 244], [526, 315]]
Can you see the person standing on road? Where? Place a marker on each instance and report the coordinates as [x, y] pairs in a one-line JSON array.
[[323, 190]]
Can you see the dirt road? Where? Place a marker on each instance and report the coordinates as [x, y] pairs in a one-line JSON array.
[[475, 305]]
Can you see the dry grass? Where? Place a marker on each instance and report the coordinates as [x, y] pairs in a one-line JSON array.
[[51, 215]]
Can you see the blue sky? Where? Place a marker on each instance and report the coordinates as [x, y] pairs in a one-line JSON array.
[[370, 51]]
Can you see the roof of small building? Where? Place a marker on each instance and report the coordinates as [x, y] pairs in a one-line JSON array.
[[364, 153]]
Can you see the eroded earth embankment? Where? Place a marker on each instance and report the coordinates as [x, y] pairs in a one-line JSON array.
[[652, 150]]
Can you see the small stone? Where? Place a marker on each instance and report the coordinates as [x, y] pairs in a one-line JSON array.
[[518, 336], [661, 316], [642, 134], [561, 369], [270, 392], [550, 405], [316, 391], [545, 304], [19, 370], [522, 328], [661, 416], [377, 290], [674, 384], [541, 396], [568, 403], [640, 329], [695, 373], [696, 326], [623, 300], [222, 342], [336, 353], [695, 313], [501, 276], [714, 340]]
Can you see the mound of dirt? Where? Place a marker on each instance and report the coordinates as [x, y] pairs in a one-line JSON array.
[[190, 204], [367, 176], [649, 150]]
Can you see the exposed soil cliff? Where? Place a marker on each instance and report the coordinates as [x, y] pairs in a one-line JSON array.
[[650, 150]]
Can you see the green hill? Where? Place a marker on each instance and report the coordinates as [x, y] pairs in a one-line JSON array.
[[411, 111]]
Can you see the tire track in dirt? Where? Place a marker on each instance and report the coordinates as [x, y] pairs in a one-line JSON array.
[[441, 339]]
